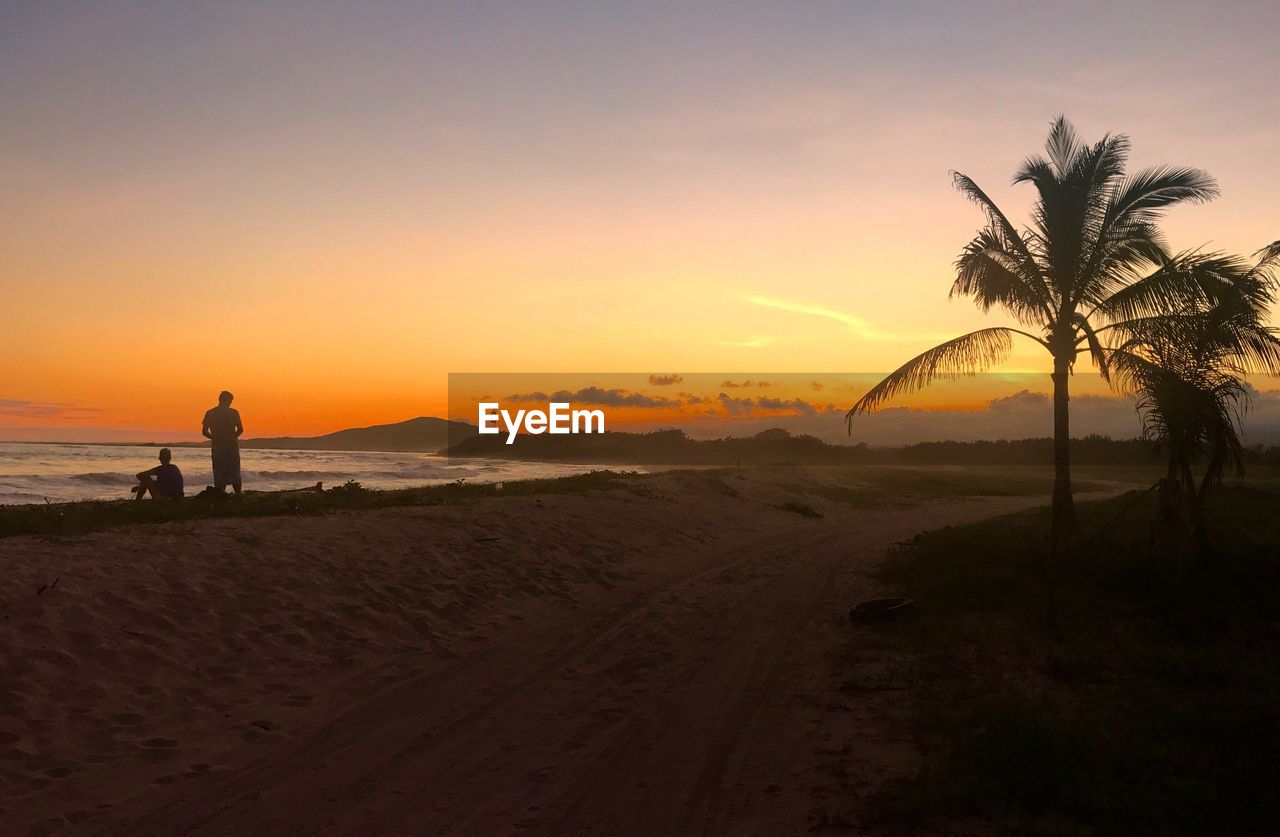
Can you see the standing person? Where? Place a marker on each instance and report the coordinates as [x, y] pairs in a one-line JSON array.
[[222, 426]]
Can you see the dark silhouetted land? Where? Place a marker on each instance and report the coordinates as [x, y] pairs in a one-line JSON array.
[[450, 643], [486, 660], [1152, 706]]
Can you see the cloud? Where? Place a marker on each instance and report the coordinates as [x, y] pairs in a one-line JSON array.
[[596, 396], [858, 325], [817, 385], [748, 406], [735, 406], [799, 406], [1019, 400], [43, 410], [728, 384], [665, 380], [1025, 414], [1029, 414]]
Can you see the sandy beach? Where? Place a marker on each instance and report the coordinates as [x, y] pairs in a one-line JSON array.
[[651, 659]]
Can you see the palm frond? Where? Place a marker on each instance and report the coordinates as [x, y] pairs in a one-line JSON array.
[[1012, 239], [1062, 145], [991, 275], [1184, 283], [1096, 349], [1118, 255], [1093, 176], [1260, 282], [966, 355], [1037, 171], [1268, 259], [1124, 236], [1142, 194], [1258, 348]]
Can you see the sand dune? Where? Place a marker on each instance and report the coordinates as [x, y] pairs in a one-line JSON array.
[[637, 661]]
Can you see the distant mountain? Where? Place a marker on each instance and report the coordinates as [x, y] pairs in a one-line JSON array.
[[417, 435]]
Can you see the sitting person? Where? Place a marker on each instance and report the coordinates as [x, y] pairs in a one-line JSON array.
[[163, 482]]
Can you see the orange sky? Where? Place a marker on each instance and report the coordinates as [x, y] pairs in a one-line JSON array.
[[327, 212]]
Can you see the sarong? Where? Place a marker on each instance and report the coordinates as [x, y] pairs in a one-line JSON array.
[[226, 463]]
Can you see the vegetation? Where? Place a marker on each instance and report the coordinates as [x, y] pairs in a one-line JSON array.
[[91, 515], [1092, 261], [1188, 371], [1153, 709], [878, 485]]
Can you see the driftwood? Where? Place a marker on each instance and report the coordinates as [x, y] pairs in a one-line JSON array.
[[317, 488], [882, 609]]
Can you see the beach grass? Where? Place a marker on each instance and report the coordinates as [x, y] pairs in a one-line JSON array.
[[91, 515], [1151, 704], [880, 485]]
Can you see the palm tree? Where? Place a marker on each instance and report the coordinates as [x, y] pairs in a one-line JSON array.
[[1092, 258], [1188, 372], [1192, 418]]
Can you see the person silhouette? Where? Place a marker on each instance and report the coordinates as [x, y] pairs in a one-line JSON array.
[[163, 482], [222, 427]]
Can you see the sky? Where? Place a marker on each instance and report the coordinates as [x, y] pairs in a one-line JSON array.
[[327, 208]]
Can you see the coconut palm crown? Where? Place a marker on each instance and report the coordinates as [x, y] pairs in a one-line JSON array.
[[1091, 265]]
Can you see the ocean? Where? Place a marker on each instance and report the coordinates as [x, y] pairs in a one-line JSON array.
[[36, 473]]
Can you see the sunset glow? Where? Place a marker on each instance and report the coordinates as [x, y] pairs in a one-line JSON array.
[[326, 209]]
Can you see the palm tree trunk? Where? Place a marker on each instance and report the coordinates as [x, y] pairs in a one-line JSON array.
[[1064, 510], [1194, 540]]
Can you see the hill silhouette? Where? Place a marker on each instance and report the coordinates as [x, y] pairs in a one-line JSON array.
[[417, 435]]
